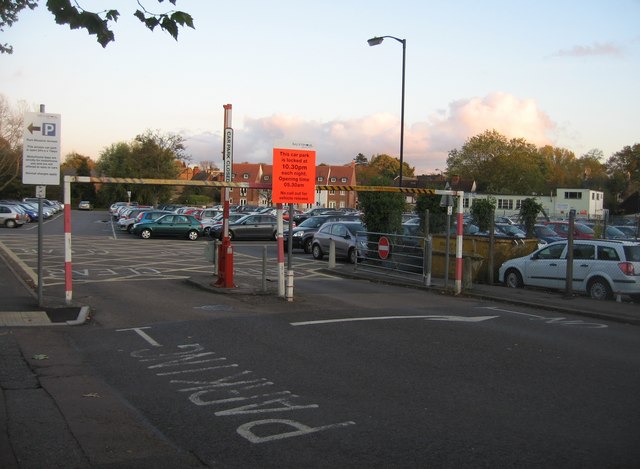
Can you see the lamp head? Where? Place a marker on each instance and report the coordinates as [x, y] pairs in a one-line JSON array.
[[374, 41]]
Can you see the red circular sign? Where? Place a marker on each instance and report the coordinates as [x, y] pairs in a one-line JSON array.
[[383, 247]]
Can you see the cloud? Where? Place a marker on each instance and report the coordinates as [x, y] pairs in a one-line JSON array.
[[426, 144], [606, 49]]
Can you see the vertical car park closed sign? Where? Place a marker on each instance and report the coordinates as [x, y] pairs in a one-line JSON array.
[[294, 173], [41, 149]]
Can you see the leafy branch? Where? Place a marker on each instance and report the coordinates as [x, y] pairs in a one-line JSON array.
[[99, 23]]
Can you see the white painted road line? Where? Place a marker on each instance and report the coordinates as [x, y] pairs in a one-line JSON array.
[[385, 318], [141, 333], [559, 320]]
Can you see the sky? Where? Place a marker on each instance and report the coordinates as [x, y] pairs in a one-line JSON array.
[[554, 72]]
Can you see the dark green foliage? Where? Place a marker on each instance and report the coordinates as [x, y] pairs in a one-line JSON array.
[[382, 211], [437, 214], [150, 155], [482, 211], [529, 211], [99, 23], [9, 14]]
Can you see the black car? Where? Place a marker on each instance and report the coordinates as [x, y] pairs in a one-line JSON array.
[[253, 226], [303, 233], [312, 212]]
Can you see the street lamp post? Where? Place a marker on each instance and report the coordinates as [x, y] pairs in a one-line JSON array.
[[374, 41]]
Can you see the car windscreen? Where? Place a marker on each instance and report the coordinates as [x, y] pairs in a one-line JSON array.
[[313, 222], [355, 227]]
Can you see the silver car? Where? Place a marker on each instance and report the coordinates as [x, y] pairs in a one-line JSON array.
[[11, 217], [343, 234], [601, 268]]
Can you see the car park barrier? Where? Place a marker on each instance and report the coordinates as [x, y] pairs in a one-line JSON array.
[[228, 268]]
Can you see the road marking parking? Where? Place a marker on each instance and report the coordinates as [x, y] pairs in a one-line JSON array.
[[230, 394], [559, 321], [384, 318]]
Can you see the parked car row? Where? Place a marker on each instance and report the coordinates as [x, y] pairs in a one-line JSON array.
[[15, 213]]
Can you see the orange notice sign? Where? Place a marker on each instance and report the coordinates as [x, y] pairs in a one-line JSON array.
[[294, 173]]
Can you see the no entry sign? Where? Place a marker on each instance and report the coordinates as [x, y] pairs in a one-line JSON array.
[[383, 247]]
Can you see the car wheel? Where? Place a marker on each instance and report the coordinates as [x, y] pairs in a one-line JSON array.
[[193, 235], [307, 246], [10, 223], [599, 289], [317, 252], [513, 279], [352, 255], [129, 228], [206, 230], [145, 234]]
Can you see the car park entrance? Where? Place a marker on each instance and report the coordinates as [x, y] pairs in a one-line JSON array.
[[68, 180]]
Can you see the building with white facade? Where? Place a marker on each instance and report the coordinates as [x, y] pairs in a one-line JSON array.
[[587, 203]]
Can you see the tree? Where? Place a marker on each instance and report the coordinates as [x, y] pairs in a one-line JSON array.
[[11, 124], [626, 162], [360, 159], [529, 211], [150, 155], [382, 211], [482, 211], [99, 23], [9, 10], [80, 165], [499, 165], [562, 168], [388, 167], [437, 214]]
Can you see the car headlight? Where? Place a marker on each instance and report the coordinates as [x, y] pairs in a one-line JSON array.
[[298, 234]]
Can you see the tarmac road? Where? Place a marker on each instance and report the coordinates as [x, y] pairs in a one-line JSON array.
[[61, 409]]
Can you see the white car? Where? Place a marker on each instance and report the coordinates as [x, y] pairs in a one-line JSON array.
[[601, 268]]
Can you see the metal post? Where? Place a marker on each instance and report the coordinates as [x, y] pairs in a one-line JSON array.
[[569, 279], [447, 249], [459, 241], [332, 254], [404, 54], [281, 279], [492, 243], [264, 268], [40, 275], [68, 272], [427, 260]]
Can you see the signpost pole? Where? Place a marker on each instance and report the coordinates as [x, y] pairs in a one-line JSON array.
[[294, 166], [225, 254], [41, 164], [40, 241]]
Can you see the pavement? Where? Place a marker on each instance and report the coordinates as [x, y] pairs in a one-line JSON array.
[[54, 409]]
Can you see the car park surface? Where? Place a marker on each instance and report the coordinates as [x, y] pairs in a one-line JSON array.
[[601, 268]]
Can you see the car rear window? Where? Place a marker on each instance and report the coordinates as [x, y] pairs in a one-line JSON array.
[[607, 253], [632, 253]]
